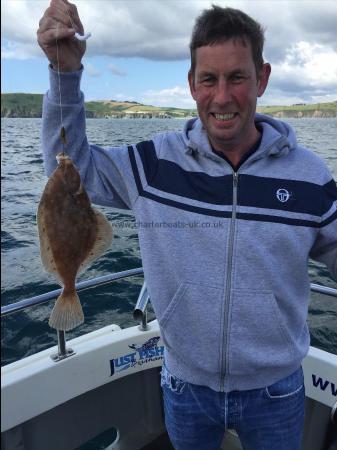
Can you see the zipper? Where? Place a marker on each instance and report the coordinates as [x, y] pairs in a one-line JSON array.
[[224, 364]]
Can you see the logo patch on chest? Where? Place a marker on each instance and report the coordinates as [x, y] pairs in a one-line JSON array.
[[283, 195]]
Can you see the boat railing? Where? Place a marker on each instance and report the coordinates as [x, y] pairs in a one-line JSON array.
[[63, 351], [139, 312]]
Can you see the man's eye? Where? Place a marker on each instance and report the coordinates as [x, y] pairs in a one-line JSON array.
[[208, 81], [238, 78]]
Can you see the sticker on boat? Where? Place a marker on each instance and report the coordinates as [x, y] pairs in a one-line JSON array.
[[145, 353]]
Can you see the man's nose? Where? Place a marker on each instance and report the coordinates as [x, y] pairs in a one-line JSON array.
[[223, 93]]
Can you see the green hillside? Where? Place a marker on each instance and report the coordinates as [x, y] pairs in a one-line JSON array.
[[21, 105], [115, 109], [30, 105], [302, 110]]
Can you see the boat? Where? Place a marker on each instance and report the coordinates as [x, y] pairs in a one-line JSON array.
[[101, 390]]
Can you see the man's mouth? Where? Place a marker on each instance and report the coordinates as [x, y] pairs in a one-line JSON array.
[[224, 117]]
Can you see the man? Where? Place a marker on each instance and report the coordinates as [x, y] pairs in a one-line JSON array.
[[229, 285]]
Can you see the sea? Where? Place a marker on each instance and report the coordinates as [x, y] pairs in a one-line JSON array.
[[22, 274]]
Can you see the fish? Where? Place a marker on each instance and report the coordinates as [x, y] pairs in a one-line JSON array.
[[147, 345], [72, 234]]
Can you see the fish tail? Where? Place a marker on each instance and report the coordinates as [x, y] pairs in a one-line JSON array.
[[67, 312]]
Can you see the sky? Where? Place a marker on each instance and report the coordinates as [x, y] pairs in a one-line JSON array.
[[139, 49]]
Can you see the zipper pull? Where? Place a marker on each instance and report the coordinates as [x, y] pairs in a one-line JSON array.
[[235, 179]]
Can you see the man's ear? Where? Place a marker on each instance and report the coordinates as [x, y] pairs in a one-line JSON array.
[[191, 83], [263, 79]]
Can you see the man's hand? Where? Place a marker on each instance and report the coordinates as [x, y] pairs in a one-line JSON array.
[[57, 28]]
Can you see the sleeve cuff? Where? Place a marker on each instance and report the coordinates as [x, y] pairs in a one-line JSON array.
[[69, 84]]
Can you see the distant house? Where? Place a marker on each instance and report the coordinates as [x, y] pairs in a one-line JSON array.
[[146, 114], [138, 114]]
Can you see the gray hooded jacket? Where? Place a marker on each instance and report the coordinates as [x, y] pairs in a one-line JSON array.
[[225, 254]]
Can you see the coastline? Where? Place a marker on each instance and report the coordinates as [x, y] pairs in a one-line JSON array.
[[22, 105]]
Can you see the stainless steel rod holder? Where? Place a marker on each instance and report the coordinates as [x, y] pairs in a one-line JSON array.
[[63, 351], [143, 325], [139, 313]]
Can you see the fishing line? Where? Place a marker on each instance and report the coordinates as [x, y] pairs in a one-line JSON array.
[[80, 38], [62, 133]]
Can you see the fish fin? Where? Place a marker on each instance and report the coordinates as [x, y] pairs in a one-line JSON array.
[[103, 240], [47, 257], [67, 312]]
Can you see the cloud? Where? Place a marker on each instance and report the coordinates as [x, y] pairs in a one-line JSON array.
[[114, 70], [91, 70], [301, 39], [19, 50], [307, 73], [19, 23], [124, 97], [177, 96], [160, 30], [317, 21], [149, 29]]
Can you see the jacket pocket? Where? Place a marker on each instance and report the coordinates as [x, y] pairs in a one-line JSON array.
[[258, 336], [191, 325]]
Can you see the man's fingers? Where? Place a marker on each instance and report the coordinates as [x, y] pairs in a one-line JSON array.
[[55, 24], [69, 14], [76, 18], [59, 11], [51, 35], [52, 16], [47, 23], [59, 24]]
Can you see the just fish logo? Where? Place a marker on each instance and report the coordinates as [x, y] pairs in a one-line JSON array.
[[147, 352]]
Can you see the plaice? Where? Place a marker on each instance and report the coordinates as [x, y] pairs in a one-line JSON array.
[[72, 234]]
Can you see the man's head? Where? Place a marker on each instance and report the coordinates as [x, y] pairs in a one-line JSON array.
[[218, 25], [227, 76]]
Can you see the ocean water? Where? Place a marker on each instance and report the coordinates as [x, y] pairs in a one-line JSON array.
[[23, 180]]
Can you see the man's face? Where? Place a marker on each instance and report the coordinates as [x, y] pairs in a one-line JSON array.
[[225, 87]]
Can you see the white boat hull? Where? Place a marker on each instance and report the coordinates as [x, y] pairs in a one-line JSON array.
[[113, 379]]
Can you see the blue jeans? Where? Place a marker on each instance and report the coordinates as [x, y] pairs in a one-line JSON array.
[[270, 418]]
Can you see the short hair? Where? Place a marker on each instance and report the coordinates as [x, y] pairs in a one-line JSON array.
[[217, 25]]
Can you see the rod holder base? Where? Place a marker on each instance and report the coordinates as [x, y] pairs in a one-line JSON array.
[[143, 327], [56, 357]]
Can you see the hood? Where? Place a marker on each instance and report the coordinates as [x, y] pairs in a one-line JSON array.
[[278, 138]]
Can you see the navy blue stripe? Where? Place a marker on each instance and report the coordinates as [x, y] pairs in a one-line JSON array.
[[240, 216], [258, 192], [166, 201], [169, 177], [329, 219], [149, 159], [278, 219], [330, 191], [135, 170], [185, 207], [224, 214], [228, 214], [301, 196]]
